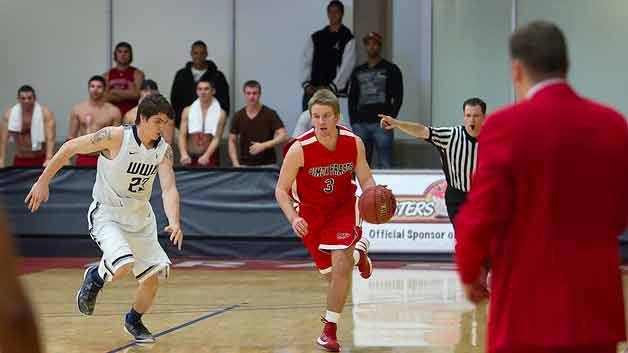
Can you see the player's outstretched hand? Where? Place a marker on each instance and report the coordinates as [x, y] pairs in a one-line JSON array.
[[37, 196], [299, 225], [176, 235]]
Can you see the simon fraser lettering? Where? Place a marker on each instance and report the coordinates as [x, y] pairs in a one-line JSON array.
[[333, 169]]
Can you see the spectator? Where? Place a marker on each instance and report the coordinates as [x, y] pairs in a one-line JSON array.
[[31, 127], [259, 128], [123, 80], [92, 115], [376, 88], [329, 55], [149, 87], [202, 125], [183, 91]]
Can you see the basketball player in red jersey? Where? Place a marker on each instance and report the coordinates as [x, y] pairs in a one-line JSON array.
[[123, 80], [318, 174]]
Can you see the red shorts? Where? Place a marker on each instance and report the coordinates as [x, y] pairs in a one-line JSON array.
[[330, 229], [86, 160], [29, 162]]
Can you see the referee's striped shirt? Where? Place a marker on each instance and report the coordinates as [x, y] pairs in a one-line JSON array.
[[458, 153]]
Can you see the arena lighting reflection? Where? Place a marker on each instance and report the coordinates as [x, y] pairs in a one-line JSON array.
[[415, 308]]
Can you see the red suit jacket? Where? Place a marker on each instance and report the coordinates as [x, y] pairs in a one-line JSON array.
[[548, 201]]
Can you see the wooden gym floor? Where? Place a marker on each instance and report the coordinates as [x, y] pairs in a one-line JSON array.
[[261, 307]]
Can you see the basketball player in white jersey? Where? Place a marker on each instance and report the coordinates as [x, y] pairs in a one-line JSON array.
[[121, 220]]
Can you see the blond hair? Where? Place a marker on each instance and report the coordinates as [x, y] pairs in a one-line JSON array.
[[324, 97]]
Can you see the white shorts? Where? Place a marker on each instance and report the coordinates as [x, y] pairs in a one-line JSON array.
[[127, 236]]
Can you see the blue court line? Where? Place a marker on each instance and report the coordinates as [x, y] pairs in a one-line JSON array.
[[183, 325]]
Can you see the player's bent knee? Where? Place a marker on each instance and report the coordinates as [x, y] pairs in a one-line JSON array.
[[123, 270]]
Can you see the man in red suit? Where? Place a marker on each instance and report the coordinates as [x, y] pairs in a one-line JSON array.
[[547, 204]]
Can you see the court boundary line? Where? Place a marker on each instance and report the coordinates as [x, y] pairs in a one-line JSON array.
[[181, 326]]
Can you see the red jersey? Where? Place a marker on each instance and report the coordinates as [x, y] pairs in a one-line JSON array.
[[326, 178], [122, 79]]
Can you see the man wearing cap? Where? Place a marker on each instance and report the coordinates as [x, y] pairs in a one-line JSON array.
[[376, 87]]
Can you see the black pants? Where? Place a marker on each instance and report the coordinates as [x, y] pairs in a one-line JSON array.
[[454, 199]]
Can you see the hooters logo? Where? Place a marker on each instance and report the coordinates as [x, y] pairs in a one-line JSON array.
[[428, 207]]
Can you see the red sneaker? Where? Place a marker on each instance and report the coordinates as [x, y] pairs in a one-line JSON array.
[[327, 340], [365, 266]]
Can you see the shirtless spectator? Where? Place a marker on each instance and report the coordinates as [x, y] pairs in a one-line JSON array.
[[149, 87], [202, 125], [123, 80], [92, 115], [31, 126]]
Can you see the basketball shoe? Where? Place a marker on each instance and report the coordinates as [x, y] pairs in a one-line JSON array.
[[138, 331], [327, 340], [86, 296]]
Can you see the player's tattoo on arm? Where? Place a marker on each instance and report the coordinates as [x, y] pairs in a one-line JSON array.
[[101, 135], [169, 154]]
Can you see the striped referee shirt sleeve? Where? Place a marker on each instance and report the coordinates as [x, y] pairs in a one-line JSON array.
[[440, 136]]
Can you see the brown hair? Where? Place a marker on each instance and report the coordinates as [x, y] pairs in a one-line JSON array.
[[153, 105], [542, 48], [252, 84]]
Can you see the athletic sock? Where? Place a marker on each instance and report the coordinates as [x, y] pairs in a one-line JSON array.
[[331, 316]]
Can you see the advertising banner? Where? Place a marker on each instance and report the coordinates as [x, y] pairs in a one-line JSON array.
[[420, 223]]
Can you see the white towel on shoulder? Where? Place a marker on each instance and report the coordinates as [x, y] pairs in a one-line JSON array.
[[38, 136], [207, 124]]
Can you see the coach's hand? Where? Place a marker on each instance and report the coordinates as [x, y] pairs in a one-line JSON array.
[[476, 291], [176, 235], [299, 225], [37, 195]]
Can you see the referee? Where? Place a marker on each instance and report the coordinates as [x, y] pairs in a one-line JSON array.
[[458, 148]]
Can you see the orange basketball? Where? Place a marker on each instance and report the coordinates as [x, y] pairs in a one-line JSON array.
[[377, 204]]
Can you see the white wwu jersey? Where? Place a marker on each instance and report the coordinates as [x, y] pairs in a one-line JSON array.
[[121, 220], [127, 180]]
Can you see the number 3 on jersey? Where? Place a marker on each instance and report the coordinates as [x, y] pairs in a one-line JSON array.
[[135, 186], [329, 185]]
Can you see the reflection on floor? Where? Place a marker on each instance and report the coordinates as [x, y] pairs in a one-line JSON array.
[[420, 308]]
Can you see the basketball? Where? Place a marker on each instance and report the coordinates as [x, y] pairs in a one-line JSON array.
[[377, 204]]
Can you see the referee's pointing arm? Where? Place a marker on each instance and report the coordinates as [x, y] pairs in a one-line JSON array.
[[411, 128]]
